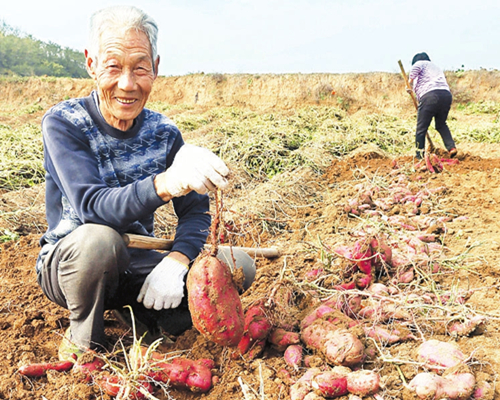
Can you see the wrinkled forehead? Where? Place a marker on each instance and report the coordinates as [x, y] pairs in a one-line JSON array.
[[124, 40]]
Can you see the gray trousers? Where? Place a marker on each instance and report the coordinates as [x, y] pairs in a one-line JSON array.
[[91, 270]]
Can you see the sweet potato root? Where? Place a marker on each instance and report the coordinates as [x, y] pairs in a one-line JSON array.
[[214, 301], [40, 369]]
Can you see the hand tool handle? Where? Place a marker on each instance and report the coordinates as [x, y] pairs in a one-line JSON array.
[[152, 243]]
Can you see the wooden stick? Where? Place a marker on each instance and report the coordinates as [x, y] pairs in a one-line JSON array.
[[152, 243], [415, 103]]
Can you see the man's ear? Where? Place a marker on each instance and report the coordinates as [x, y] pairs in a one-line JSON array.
[[90, 64], [157, 63]]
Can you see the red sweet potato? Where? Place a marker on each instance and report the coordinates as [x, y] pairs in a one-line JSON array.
[[40, 369], [87, 366], [110, 384], [293, 355], [362, 253], [329, 384], [338, 346], [430, 386], [483, 391], [281, 338], [426, 385], [314, 274], [214, 301], [256, 323], [183, 373], [363, 280], [439, 355], [459, 328], [243, 345], [363, 382], [380, 289], [300, 389], [115, 386], [256, 349], [315, 314], [382, 251], [385, 335], [256, 329]]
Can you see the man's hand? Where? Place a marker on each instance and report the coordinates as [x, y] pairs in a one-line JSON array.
[[164, 286], [194, 168]]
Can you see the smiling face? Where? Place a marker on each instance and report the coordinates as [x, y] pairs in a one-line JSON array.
[[123, 71]]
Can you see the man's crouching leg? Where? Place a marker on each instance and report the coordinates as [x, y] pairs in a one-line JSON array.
[[80, 274]]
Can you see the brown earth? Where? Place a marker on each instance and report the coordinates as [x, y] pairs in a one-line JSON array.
[[303, 215]]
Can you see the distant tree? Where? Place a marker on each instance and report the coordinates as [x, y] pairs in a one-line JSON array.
[[24, 55]]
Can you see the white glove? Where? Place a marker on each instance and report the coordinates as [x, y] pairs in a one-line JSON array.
[[164, 286], [195, 168]]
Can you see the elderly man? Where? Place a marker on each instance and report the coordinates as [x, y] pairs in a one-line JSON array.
[[110, 163]]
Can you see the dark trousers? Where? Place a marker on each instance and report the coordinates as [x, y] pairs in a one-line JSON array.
[[434, 104], [91, 270]]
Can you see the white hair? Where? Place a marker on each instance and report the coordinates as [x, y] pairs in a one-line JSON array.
[[123, 17]]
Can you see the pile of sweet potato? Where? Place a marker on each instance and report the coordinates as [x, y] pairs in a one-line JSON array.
[[153, 369]]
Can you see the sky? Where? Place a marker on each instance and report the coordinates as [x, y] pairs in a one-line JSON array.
[[287, 36]]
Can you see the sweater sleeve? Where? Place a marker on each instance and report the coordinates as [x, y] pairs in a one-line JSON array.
[[71, 164], [415, 72]]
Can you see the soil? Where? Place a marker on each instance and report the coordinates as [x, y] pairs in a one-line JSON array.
[[31, 326]]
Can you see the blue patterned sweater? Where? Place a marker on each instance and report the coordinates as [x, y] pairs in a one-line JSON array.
[[98, 174]]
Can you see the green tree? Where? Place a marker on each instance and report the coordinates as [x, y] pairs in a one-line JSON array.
[[24, 55]]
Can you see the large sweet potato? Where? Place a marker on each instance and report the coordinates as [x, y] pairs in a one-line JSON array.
[[438, 355], [329, 384], [214, 301], [430, 386], [338, 346], [363, 382], [183, 373]]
